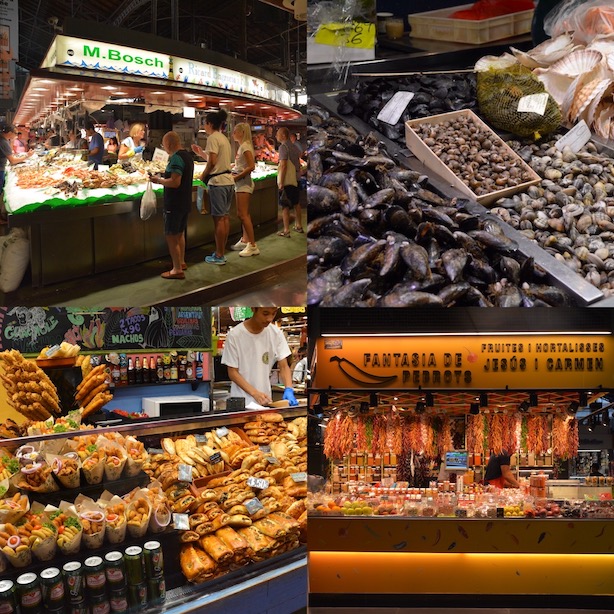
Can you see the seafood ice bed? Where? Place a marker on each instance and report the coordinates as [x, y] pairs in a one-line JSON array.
[[379, 235]]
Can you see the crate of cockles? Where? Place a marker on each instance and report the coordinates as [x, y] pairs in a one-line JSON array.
[[235, 404], [466, 152]]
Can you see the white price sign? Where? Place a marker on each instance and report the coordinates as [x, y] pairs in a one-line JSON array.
[[301, 476], [221, 432], [576, 138], [392, 111], [253, 506], [533, 103], [257, 483]]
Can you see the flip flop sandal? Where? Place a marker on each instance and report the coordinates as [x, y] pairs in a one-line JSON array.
[[298, 229], [281, 233], [169, 275]]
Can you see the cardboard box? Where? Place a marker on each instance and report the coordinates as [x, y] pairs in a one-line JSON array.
[[425, 154]]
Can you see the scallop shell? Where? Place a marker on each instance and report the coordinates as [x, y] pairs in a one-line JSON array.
[[598, 103], [553, 49], [592, 89], [604, 45], [556, 84], [578, 62], [601, 124]]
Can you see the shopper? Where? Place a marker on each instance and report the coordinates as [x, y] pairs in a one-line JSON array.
[[53, 139], [7, 135], [300, 371], [250, 350], [131, 145], [218, 177], [244, 187], [287, 182], [498, 472], [177, 182], [595, 470], [96, 146], [19, 147], [75, 141]]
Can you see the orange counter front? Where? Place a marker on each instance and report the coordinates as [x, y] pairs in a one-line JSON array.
[[399, 561]]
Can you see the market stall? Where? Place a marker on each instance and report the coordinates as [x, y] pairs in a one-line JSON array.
[[127, 485], [408, 407], [143, 86]]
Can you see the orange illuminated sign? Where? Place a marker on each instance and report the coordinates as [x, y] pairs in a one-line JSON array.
[[466, 362]]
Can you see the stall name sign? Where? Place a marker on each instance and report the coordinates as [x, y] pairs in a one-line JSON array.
[[200, 73], [466, 362], [95, 55]]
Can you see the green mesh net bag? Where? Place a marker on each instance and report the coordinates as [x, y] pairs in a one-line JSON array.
[[501, 85]]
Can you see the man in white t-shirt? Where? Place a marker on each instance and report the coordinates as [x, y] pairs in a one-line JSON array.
[[250, 351]]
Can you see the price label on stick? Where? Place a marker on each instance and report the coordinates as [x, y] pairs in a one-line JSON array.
[[301, 476], [221, 432], [533, 103], [356, 35], [184, 473], [215, 458], [181, 522], [393, 109], [576, 138], [200, 439], [253, 505], [271, 460], [265, 449], [258, 483], [155, 451]]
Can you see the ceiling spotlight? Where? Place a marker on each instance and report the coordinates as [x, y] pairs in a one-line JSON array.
[[364, 407], [533, 399], [524, 407], [373, 400], [474, 409], [573, 407], [483, 399], [324, 399], [420, 407], [429, 399]]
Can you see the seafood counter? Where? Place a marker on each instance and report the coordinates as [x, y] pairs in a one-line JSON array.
[[402, 238]]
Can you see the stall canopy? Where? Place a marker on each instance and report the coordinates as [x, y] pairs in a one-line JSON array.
[[89, 74]]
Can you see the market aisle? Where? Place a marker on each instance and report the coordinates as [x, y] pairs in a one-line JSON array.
[[281, 264]]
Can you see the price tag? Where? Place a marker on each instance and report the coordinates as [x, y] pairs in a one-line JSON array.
[[393, 109], [221, 432], [155, 451], [52, 350], [200, 439], [159, 156], [258, 483], [253, 506], [271, 460], [301, 476], [533, 103], [181, 522], [215, 458], [356, 35], [576, 138], [184, 473], [265, 449]]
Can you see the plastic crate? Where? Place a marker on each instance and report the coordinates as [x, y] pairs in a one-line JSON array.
[[437, 25]]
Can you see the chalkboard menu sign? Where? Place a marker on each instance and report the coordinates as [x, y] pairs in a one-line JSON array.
[[29, 329]]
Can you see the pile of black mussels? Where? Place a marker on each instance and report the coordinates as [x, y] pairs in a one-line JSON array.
[[380, 235]]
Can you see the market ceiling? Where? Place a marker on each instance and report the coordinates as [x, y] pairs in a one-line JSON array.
[[60, 96], [262, 34]]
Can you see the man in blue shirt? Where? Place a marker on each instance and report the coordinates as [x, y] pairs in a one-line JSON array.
[[96, 146]]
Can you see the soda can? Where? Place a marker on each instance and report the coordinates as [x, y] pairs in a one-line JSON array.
[[156, 590], [135, 570], [8, 601], [73, 575], [154, 560], [118, 600], [115, 570], [79, 607], [100, 605], [29, 593], [137, 596], [52, 584], [95, 578]]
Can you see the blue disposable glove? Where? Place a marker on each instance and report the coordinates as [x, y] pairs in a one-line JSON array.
[[138, 149], [289, 396]]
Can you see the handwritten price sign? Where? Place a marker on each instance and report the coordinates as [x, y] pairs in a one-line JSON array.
[[356, 35]]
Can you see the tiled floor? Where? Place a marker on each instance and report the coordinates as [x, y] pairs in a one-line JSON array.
[[277, 275]]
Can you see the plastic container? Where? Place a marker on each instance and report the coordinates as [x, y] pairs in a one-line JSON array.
[[437, 25]]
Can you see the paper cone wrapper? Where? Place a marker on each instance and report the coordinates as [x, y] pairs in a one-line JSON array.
[[49, 485], [94, 540], [160, 518], [20, 559], [139, 530], [116, 534], [12, 513], [94, 474], [73, 546], [113, 472], [67, 480], [133, 467], [46, 549]]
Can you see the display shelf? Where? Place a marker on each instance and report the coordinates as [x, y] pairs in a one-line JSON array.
[[159, 427]]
